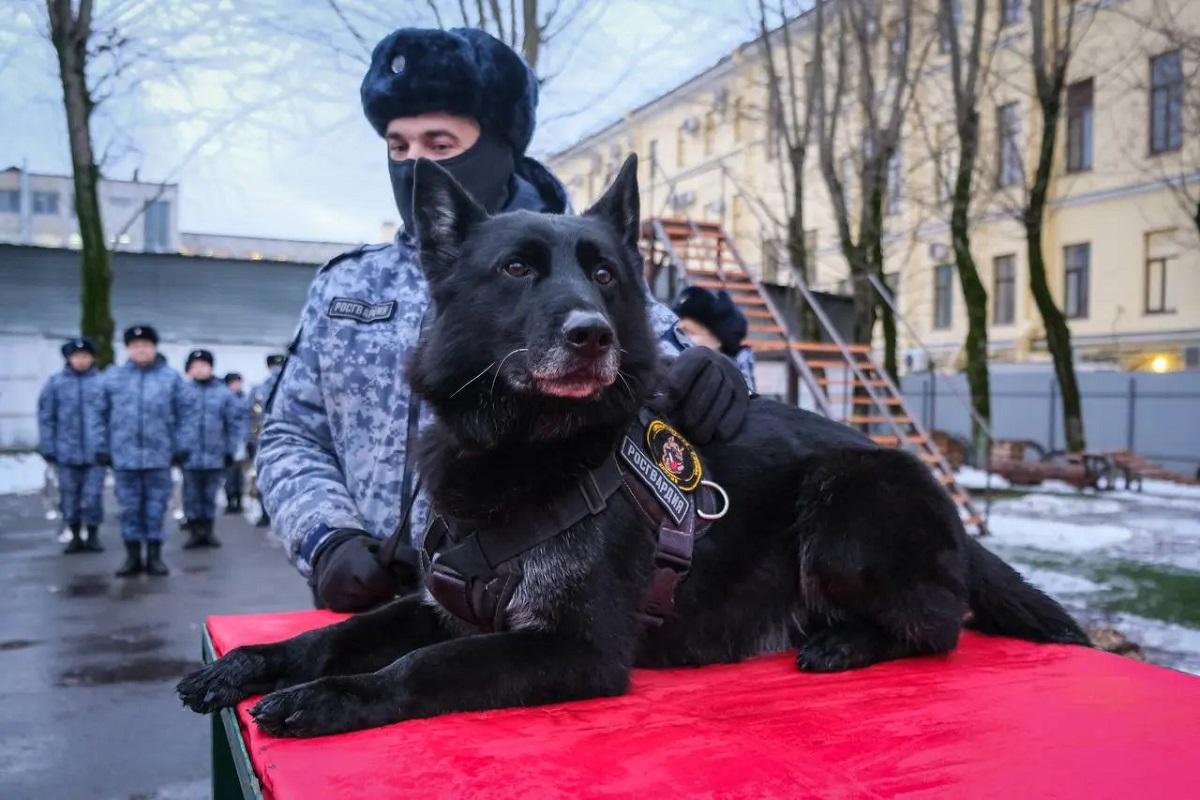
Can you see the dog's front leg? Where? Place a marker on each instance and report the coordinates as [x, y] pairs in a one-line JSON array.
[[362, 643], [474, 673]]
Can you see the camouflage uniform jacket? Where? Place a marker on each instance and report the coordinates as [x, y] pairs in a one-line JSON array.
[[210, 425], [139, 415], [68, 428], [333, 450]]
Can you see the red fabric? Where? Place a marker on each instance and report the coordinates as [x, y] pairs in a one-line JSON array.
[[997, 718]]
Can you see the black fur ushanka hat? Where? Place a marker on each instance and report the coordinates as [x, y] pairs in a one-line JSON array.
[[717, 312], [459, 71]]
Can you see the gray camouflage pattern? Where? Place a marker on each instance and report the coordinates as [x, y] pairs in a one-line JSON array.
[[332, 453], [81, 493], [200, 492], [142, 498], [210, 424], [139, 415], [68, 423]]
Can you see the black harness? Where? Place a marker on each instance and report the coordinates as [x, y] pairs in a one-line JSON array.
[[472, 570]]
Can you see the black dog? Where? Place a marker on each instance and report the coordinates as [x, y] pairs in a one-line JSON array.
[[537, 362]]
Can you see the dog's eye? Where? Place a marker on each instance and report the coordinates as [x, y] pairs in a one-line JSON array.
[[603, 276], [516, 269]]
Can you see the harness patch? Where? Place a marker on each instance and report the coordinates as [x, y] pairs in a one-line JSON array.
[[663, 487], [675, 455], [360, 310]]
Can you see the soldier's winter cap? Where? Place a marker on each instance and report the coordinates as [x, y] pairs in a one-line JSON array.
[[230, 377], [141, 332], [717, 312], [276, 360], [198, 355], [461, 71], [78, 344]]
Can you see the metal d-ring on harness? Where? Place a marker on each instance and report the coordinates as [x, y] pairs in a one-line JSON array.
[[473, 569]]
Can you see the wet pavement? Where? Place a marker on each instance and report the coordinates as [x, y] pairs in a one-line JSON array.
[[88, 661]]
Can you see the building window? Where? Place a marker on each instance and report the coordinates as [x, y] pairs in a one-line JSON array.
[[10, 201], [1077, 262], [772, 248], [1079, 126], [1008, 151], [1010, 12], [943, 296], [1004, 290], [680, 152], [157, 219], [897, 30], [1160, 252], [895, 182], [710, 133], [848, 170], [45, 203], [1166, 102]]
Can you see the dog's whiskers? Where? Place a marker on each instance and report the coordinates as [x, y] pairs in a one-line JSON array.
[[506, 358], [628, 388], [477, 377]]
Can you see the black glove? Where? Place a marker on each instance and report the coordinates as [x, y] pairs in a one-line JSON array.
[[251, 449], [104, 459], [50, 458], [705, 395], [180, 458], [347, 575], [228, 460]]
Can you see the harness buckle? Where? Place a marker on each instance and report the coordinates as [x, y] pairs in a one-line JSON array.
[[592, 496]]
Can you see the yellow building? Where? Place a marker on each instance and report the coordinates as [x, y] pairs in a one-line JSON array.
[[1122, 252]]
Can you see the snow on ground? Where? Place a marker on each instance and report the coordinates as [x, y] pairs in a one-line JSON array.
[[22, 473], [1053, 535], [971, 478]]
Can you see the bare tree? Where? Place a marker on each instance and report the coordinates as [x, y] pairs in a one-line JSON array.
[[968, 69], [790, 104], [1054, 41], [883, 88]]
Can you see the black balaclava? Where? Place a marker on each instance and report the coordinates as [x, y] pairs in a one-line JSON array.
[[485, 170]]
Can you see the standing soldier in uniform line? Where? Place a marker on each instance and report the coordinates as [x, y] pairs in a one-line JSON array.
[[139, 437], [68, 438], [209, 430], [259, 396], [713, 320], [235, 474], [333, 465]]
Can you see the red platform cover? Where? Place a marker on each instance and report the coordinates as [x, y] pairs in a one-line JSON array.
[[998, 718]]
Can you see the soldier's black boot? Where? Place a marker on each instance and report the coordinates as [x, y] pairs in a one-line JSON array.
[[195, 531], [264, 521], [154, 562], [76, 543], [210, 538], [133, 561], [233, 504], [92, 544]]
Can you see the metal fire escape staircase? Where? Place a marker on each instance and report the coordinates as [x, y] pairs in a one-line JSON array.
[[844, 380]]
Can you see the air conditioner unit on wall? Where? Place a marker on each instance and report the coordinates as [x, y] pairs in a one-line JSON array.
[[680, 200], [916, 360], [691, 125], [939, 252]]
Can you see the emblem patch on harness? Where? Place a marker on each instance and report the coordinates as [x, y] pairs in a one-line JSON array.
[[674, 454], [664, 489], [360, 310]]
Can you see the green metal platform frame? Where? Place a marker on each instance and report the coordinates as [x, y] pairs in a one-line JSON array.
[[232, 773]]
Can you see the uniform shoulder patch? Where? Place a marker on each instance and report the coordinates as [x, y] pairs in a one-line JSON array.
[[361, 310]]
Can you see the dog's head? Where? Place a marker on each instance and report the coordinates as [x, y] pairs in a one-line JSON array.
[[539, 325]]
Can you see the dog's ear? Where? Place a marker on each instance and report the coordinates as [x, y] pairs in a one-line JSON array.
[[619, 205], [443, 214]]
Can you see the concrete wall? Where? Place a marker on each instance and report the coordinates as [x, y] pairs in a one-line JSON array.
[[240, 310], [1154, 415]]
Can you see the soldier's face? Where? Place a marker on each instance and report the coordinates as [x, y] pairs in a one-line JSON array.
[[141, 351], [435, 135], [200, 370], [234, 386], [81, 361], [699, 334]]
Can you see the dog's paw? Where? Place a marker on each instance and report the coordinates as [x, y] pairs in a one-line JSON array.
[[222, 683], [834, 651], [318, 708]]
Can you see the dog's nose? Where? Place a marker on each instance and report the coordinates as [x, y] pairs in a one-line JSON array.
[[588, 333]]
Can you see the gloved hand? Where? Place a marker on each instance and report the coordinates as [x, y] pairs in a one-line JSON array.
[[180, 458], [347, 575], [228, 460], [50, 458], [705, 395], [104, 459]]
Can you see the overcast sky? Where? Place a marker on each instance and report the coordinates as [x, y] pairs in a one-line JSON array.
[[257, 114]]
